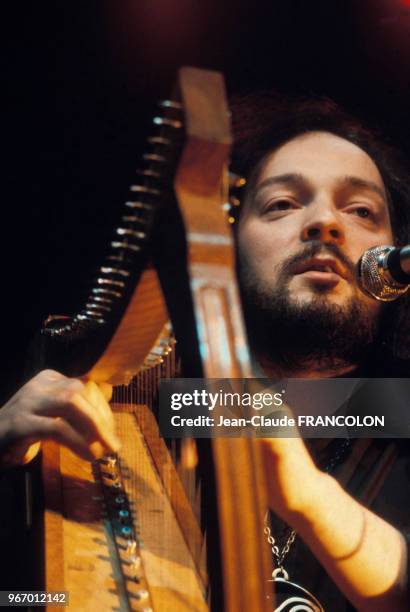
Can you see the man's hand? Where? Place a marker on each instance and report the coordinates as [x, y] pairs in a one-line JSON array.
[[291, 476], [365, 556], [53, 407]]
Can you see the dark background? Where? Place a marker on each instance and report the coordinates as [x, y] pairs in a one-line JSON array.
[[80, 81]]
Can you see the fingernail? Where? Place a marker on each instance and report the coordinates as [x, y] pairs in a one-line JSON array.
[[97, 450]]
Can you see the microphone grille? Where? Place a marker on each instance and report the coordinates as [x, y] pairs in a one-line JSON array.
[[372, 275]]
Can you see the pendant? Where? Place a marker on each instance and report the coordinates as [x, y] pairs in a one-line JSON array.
[[291, 597]]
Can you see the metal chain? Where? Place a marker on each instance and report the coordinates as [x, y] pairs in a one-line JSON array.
[[278, 554]]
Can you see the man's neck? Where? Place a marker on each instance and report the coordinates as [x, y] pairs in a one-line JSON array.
[[311, 369]]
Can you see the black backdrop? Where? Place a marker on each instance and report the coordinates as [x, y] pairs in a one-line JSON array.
[[80, 81]]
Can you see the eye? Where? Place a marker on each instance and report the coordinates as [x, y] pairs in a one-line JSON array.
[[363, 212], [280, 205]]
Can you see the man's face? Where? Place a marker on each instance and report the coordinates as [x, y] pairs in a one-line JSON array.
[[318, 203], [316, 187]]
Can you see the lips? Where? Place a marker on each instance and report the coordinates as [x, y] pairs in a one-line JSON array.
[[325, 265]]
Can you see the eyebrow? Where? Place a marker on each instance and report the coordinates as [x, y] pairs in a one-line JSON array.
[[355, 181], [290, 178], [298, 180]]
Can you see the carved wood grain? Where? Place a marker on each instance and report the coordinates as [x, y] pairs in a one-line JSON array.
[[170, 565], [53, 520], [136, 334], [200, 187]]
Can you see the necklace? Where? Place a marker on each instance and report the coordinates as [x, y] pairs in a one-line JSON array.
[[290, 596]]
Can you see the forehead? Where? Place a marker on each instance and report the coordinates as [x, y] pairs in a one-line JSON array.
[[321, 156]]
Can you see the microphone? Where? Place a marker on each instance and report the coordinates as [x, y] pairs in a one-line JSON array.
[[384, 272]]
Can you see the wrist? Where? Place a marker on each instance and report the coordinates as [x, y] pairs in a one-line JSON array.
[[11, 449], [316, 505], [5, 429], [305, 496]]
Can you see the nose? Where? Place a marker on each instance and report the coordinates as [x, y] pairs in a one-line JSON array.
[[323, 223]]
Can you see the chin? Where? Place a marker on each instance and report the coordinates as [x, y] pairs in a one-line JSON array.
[[320, 296]]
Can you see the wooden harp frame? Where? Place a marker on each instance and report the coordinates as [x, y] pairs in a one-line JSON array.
[[201, 190]]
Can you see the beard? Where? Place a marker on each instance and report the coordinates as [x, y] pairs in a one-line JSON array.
[[295, 335]]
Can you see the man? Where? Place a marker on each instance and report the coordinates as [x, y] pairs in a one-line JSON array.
[[321, 192], [314, 203]]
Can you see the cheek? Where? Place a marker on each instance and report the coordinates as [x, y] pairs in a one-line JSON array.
[[254, 242], [360, 242], [262, 248]]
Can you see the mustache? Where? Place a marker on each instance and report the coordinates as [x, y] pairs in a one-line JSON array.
[[313, 248]]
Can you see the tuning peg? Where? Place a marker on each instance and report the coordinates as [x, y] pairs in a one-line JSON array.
[[170, 104]]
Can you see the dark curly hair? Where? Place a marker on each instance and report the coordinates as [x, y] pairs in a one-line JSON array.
[[264, 121]]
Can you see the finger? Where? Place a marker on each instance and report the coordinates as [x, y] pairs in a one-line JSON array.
[[86, 419], [100, 424], [58, 430], [50, 388], [97, 450], [96, 397], [66, 398], [105, 388], [58, 396], [69, 399]]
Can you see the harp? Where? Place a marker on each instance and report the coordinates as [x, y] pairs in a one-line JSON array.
[[125, 533]]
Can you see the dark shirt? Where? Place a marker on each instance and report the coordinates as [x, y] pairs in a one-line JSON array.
[[381, 481], [378, 476]]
